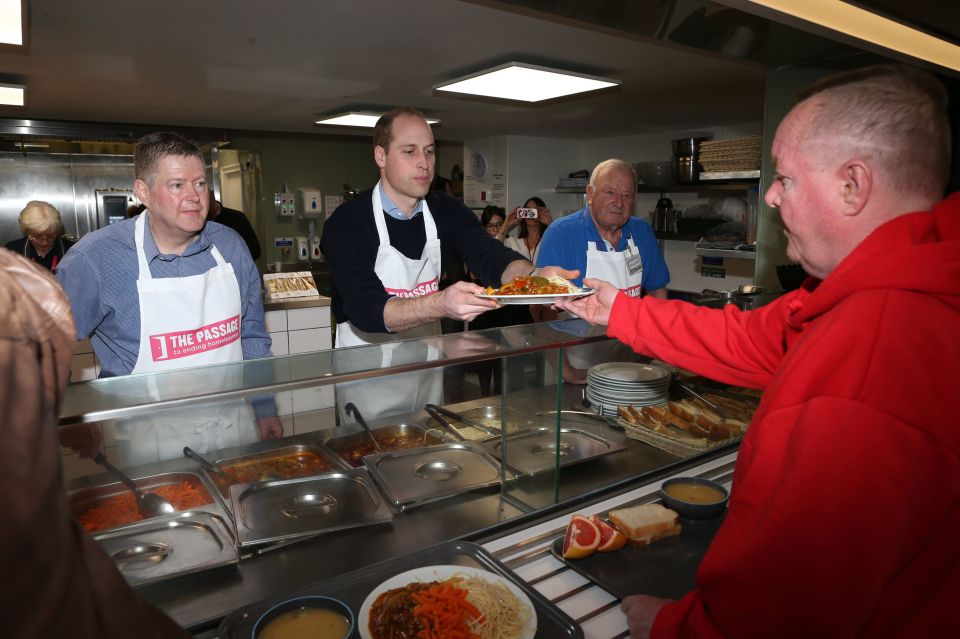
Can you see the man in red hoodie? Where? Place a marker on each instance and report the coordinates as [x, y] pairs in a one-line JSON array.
[[845, 505]]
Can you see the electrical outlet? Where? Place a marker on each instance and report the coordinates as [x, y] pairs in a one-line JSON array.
[[285, 204]]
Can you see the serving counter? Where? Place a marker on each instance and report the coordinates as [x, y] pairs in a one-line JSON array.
[[526, 495]]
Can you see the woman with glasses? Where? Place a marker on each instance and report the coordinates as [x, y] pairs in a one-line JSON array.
[[43, 240]]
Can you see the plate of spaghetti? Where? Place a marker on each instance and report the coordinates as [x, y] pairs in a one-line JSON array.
[[533, 289], [447, 602]]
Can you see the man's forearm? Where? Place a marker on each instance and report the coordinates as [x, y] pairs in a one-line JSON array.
[[515, 268], [400, 314]]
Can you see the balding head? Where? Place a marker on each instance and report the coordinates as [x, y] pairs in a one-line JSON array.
[[893, 116]]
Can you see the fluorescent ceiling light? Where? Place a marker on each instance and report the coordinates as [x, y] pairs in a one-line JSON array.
[[870, 27], [12, 94], [525, 82], [368, 120], [11, 22]]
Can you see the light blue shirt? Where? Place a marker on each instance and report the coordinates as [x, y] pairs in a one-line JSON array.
[[99, 275], [391, 209]]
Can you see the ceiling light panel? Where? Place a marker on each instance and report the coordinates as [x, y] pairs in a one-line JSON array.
[[355, 119], [526, 83], [12, 94], [11, 22]]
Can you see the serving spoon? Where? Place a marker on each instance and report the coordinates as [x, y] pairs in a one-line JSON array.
[[148, 504], [352, 411]]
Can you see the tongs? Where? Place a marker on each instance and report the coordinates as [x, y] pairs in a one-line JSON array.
[[440, 419], [352, 411], [493, 432], [719, 410]]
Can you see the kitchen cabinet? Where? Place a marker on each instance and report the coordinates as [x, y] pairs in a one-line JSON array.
[[535, 397]]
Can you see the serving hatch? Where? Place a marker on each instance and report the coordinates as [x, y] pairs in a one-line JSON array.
[[162, 548], [274, 511], [535, 450], [352, 447], [418, 476], [273, 464], [113, 505]]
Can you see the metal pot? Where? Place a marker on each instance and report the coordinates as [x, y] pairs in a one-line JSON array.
[[686, 170], [688, 147]]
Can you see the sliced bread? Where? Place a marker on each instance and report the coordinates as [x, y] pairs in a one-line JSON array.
[[645, 524]]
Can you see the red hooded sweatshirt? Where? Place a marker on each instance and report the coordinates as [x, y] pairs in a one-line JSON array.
[[844, 518]]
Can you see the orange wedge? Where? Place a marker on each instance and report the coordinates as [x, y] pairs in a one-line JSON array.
[[610, 538], [581, 539]]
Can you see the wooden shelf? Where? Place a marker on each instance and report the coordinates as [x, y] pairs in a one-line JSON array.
[[704, 186]]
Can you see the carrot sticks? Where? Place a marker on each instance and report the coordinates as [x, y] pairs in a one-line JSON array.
[[445, 612]]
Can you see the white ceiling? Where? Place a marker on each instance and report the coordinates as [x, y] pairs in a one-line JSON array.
[[277, 66]]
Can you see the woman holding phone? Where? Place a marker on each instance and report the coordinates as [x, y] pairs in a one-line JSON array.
[[532, 218]]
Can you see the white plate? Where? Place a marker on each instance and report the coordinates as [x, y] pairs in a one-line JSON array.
[[549, 298], [629, 372], [439, 573]]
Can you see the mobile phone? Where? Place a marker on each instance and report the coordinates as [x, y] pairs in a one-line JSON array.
[[527, 214]]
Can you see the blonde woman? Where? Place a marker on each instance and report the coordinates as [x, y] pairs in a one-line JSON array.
[[42, 240]]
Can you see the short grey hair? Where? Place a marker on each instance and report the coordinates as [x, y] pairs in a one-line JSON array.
[[892, 114], [612, 164], [40, 217]]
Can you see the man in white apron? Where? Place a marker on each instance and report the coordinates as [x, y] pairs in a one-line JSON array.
[[385, 251], [605, 241], [191, 311]]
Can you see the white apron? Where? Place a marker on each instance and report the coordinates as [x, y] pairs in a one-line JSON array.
[[624, 270], [402, 277], [185, 322]]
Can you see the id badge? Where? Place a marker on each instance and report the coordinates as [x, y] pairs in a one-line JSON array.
[[634, 265]]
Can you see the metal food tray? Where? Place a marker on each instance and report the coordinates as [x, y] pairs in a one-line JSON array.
[[666, 568], [330, 459], [274, 511], [343, 445], [533, 450], [82, 499], [418, 476], [491, 416], [353, 587], [162, 548]]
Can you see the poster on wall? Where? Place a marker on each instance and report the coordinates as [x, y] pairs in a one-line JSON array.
[[485, 178]]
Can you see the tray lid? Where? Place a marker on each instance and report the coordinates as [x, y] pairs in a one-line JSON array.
[[534, 450], [285, 509], [424, 474], [165, 547]]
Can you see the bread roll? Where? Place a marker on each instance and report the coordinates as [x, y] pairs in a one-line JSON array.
[[645, 524]]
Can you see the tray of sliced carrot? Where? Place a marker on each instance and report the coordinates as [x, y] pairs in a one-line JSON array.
[[113, 505]]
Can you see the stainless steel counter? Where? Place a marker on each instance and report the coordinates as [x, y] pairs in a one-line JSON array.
[[199, 601]]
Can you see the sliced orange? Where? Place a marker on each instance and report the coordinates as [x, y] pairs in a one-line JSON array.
[[610, 538], [581, 539]]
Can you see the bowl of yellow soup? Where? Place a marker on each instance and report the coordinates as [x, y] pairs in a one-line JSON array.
[[694, 498], [312, 617]]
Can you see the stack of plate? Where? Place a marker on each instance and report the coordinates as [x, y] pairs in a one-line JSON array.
[[619, 383]]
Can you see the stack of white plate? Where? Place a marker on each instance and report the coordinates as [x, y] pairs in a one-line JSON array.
[[615, 384]]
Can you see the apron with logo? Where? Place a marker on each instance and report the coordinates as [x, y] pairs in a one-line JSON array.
[[185, 322], [402, 277], [624, 270]]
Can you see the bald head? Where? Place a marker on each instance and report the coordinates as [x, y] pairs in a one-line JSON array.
[[892, 116]]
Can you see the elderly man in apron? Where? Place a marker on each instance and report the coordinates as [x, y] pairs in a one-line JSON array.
[[605, 241], [191, 307], [385, 250]]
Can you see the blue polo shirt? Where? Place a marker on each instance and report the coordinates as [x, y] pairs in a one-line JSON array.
[[565, 244]]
